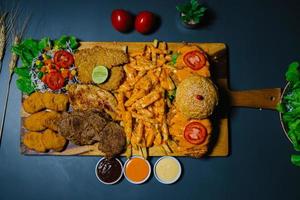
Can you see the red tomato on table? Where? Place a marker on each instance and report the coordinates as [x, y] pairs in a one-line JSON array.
[[121, 20], [144, 22]]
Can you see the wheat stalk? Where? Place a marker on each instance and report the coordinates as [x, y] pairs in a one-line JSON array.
[[2, 38], [14, 58], [2, 35], [7, 20], [17, 32], [17, 37]]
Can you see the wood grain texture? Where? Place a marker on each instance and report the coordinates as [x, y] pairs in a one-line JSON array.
[[262, 98]]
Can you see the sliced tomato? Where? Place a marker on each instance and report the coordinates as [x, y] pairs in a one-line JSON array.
[[195, 133], [54, 80], [63, 59], [195, 59]]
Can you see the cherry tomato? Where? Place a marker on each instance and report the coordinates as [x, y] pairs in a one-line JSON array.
[[195, 133], [54, 80], [144, 22], [63, 59], [121, 20], [194, 60]]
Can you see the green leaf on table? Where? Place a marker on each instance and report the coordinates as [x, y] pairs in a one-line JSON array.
[[22, 72], [184, 8], [194, 4], [191, 11], [73, 43], [44, 43], [31, 45], [61, 43], [295, 159], [25, 85], [280, 108], [26, 57], [17, 49], [292, 75]]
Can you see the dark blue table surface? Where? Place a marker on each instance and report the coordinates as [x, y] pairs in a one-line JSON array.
[[263, 38]]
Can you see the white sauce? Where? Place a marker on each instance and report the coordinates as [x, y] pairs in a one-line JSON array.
[[167, 169]]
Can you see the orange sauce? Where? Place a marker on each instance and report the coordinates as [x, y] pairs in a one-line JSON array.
[[137, 169]]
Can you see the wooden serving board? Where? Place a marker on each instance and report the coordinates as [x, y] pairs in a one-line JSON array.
[[218, 55]]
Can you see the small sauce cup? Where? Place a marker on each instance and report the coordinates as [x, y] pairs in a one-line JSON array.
[[167, 170], [137, 170], [109, 171]]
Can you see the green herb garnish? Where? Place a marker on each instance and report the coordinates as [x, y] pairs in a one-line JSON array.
[[295, 159], [290, 108], [63, 41], [171, 94], [191, 12], [174, 58]]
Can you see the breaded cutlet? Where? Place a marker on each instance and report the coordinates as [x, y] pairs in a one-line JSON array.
[[87, 59]]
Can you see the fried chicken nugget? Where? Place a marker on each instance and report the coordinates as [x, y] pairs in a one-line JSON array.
[[34, 103], [48, 138], [50, 120], [59, 143], [52, 140], [56, 102], [36, 121], [41, 120], [33, 140]]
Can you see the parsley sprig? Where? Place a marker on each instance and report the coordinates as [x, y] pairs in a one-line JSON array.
[[191, 12]]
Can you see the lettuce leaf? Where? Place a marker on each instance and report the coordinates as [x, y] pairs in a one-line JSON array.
[[292, 75], [25, 85], [61, 43], [32, 46], [44, 43], [295, 159], [22, 72], [290, 108]]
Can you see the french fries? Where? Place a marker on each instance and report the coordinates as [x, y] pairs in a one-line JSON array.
[[141, 98], [136, 96]]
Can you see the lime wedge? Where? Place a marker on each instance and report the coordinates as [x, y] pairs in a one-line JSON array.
[[100, 74]]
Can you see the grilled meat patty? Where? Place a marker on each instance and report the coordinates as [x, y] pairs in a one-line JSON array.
[[82, 127], [112, 140], [89, 127]]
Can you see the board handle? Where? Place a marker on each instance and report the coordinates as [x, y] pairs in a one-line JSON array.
[[262, 98]]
